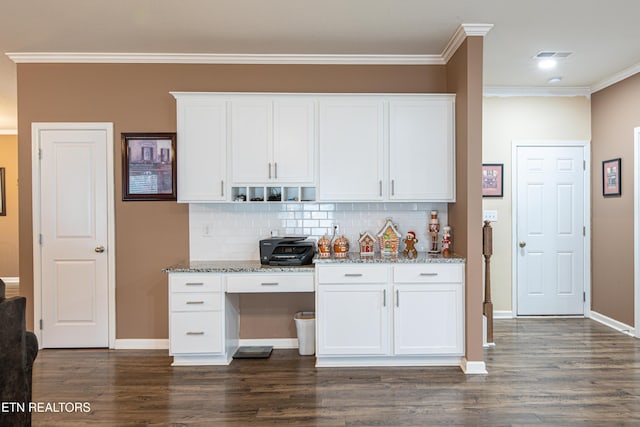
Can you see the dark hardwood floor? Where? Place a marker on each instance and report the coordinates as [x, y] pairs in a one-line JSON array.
[[542, 372]]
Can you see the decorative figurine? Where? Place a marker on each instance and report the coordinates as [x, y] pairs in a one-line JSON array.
[[324, 247], [367, 244], [389, 238], [446, 240], [410, 242], [341, 247], [434, 228]]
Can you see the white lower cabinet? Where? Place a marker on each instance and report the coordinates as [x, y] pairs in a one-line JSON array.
[[428, 319], [389, 314], [196, 332], [204, 315], [203, 323], [354, 319]]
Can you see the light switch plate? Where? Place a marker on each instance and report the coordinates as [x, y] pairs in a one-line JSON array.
[[488, 215]]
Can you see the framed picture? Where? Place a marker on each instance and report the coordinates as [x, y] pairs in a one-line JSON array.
[[611, 178], [492, 179], [149, 166], [3, 197]]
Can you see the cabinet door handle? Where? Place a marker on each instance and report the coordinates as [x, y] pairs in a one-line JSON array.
[[269, 170], [429, 274], [384, 297], [397, 298], [393, 187], [222, 188], [194, 284], [380, 184], [195, 302], [269, 283], [353, 275], [275, 170], [195, 333]]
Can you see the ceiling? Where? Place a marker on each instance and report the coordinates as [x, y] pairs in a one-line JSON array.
[[602, 36]]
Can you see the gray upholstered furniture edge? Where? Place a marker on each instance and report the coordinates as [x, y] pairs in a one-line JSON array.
[[18, 350]]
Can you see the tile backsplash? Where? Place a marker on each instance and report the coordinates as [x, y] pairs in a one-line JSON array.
[[230, 231]]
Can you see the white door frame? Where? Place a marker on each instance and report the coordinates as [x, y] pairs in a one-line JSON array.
[[586, 146], [36, 128], [636, 231]]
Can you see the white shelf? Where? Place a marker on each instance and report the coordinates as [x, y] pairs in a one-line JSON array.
[[272, 193]]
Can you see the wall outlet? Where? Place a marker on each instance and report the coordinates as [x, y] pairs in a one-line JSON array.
[[488, 215]]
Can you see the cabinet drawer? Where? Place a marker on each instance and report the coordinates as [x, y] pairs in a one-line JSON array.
[[196, 301], [196, 332], [195, 282], [353, 274], [262, 283], [428, 273]]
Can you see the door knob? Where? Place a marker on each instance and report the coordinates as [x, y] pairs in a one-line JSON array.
[[99, 249], [523, 244]]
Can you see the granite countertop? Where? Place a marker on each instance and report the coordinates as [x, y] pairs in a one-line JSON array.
[[234, 267], [423, 257], [354, 257]]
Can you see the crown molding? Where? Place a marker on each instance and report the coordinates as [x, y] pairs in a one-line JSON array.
[[616, 78], [465, 30], [214, 58], [512, 91]]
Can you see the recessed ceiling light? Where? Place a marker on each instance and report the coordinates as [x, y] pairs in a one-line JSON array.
[[547, 64], [545, 54], [554, 80]]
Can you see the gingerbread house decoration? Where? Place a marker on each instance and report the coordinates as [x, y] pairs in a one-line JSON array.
[[367, 244], [389, 238]]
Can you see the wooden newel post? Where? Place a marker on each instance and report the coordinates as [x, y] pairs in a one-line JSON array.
[[487, 251]]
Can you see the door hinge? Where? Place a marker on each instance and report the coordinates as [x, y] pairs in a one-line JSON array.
[[40, 239], [41, 325], [584, 297], [584, 165], [40, 153], [584, 230]]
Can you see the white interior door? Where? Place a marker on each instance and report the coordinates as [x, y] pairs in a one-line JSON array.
[[74, 237], [550, 230]]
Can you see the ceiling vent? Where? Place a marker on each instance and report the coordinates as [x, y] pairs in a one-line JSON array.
[[548, 54]]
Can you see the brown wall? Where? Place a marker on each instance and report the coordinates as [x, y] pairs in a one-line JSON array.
[[464, 77], [9, 223], [614, 115], [135, 97]]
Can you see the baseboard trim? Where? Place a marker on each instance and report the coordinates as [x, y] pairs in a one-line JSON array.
[[502, 314], [163, 344], [276, 343], [473, 368], [141, 344], [612, 323], [13, 286]]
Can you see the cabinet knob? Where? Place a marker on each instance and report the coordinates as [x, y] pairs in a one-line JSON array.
[[99, 249], [523, 244]]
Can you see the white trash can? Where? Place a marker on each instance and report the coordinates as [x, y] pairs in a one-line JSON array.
[[306, 330]]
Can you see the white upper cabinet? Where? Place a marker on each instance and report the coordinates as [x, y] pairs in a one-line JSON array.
[[322, 147], [294, 140], [201, 148], [273, 140], [251, 140], [421, 148], [351, 148]]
